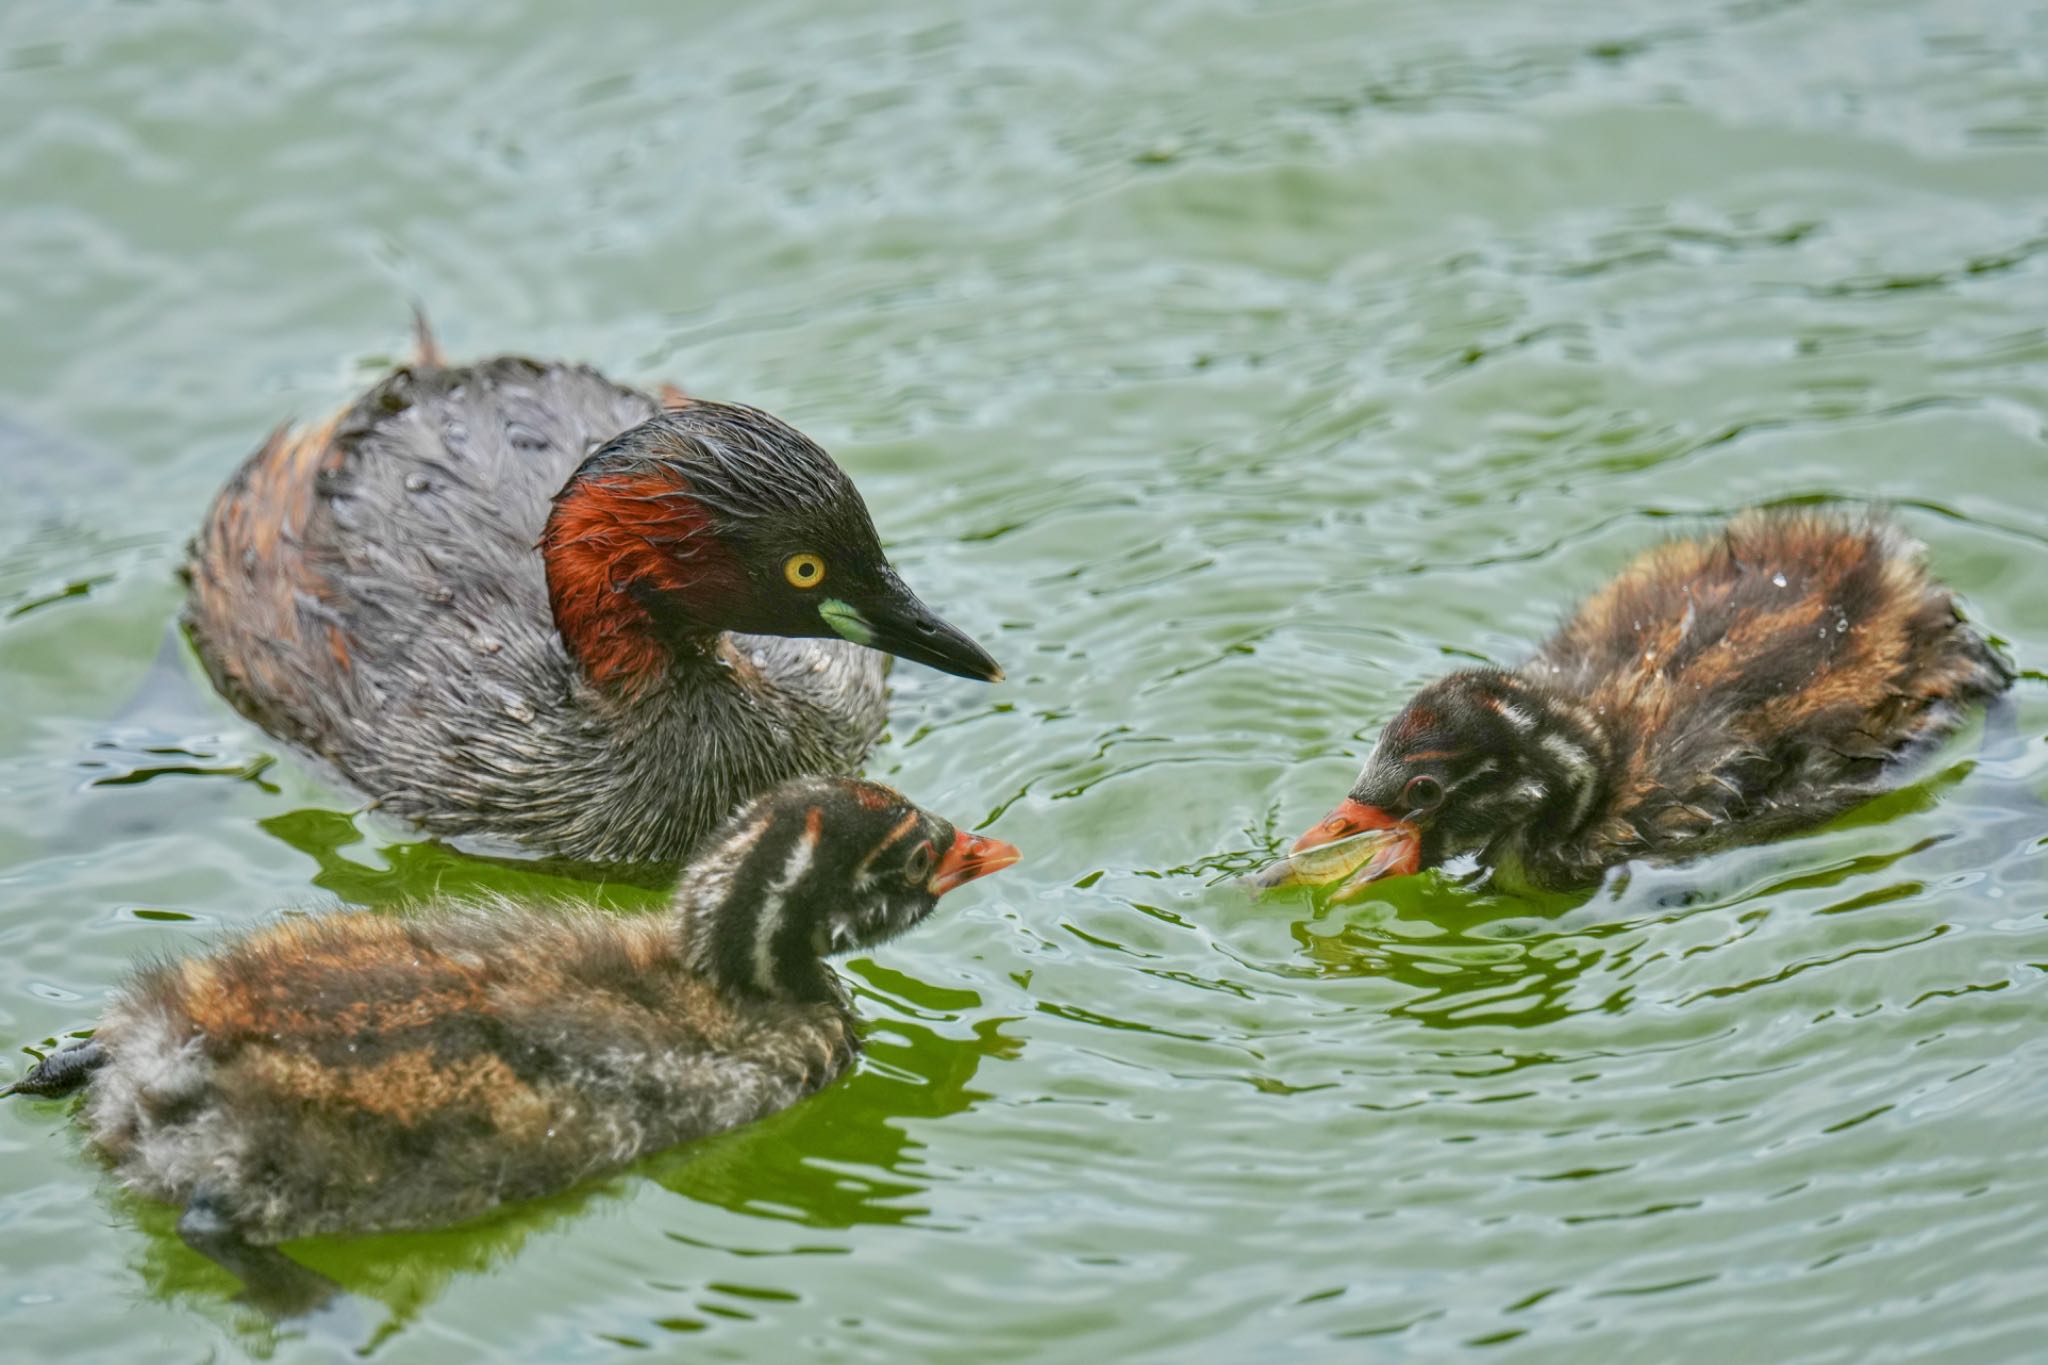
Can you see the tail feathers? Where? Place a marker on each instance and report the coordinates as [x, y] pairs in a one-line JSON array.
[[61, 1072], [426, 351]]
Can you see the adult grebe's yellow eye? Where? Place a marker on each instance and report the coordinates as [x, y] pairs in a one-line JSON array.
[[804, 571]]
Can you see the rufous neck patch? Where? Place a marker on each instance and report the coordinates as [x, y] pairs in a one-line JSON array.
[[634, 568]]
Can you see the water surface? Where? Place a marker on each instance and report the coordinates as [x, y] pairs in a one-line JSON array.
[[1229, 369]]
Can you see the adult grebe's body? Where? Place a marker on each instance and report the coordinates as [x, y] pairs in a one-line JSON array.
[[515, 599]]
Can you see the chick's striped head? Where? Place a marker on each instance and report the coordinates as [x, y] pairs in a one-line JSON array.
[[1474, 759], [818, 866]]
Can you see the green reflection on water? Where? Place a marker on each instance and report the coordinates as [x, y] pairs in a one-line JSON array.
[[1237, 369]]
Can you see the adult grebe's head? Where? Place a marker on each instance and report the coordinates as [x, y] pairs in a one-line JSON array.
[[714, 517]]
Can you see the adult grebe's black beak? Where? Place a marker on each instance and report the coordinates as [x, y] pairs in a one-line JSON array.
[[893, 620]]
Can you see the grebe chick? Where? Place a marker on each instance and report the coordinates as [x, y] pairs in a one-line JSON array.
[[358, 1072], [515, 600], [1720, 691]]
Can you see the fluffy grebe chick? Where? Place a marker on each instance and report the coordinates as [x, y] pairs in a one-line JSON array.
[[357, 1072], [519, 601], [1721, 690]]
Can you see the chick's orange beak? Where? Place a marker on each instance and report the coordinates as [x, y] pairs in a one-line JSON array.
[[1355, 844], [971, 856]]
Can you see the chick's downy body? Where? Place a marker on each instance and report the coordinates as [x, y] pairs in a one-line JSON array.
[[355, 1073], [1720, 690], [1762, 679], [360, 1072]]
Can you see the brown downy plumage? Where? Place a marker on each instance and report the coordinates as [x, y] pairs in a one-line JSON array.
[[1719, 691], [358, 1072], [516, 600]]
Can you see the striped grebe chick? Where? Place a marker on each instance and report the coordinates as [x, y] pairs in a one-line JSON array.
[[359, 1072], [1722, 690]]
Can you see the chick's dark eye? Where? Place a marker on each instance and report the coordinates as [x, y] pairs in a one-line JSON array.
[[918, 867], [1423, 792]]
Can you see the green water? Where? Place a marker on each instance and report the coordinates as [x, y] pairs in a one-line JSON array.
[[1229, 369]]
